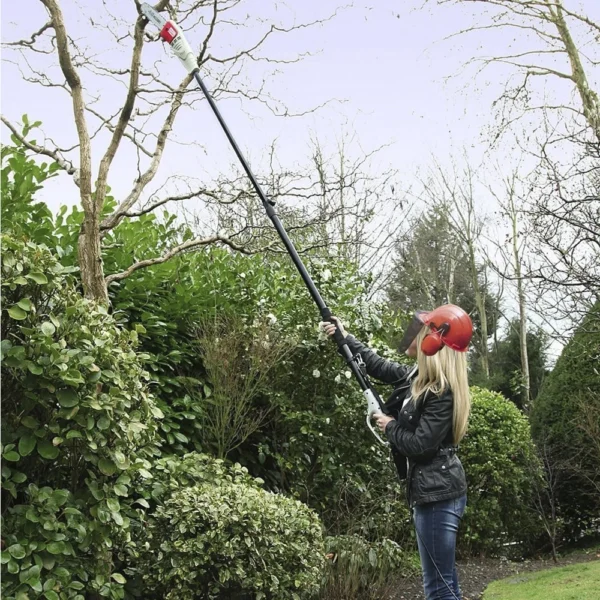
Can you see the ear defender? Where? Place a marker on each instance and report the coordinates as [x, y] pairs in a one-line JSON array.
[[432, 343]]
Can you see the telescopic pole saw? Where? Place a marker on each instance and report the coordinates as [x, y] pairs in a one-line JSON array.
[[172, 34]]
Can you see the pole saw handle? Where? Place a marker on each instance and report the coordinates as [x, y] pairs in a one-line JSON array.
[[372, 408]]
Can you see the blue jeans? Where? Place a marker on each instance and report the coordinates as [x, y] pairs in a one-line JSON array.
[[436, 524]]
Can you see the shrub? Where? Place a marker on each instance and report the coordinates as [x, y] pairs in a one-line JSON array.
[[497, 454], [225, 537], [359, 569], [314, 446], [77, 422], [170, 474], [566, 422]]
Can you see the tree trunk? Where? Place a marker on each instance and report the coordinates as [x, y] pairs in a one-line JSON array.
[[451, 280], [525, 393], [589, 98], [480, 303], [90, 260], [89, 249], [526, 385]]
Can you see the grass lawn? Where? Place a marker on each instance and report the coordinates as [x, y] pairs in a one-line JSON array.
[[574, 582]]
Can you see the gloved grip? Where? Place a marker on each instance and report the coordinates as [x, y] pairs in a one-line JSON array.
[[337, 336]]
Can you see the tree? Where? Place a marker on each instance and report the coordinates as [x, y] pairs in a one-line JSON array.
[[513, 215], [426, 271], [510, 266], [337, 207], [546, 473], [468, 227], [546, 32], [549, 42], [564, 212], [432, 267], [148, 98], [506, 364]]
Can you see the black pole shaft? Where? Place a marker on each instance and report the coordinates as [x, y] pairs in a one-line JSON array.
[[314, 292]]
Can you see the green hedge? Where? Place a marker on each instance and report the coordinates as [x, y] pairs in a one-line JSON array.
[[77, 423], [499, 460], [566, 423]]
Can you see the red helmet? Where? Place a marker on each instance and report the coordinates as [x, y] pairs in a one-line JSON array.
[[451, 326]]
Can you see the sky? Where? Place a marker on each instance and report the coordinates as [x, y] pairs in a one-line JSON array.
[[382, 69]]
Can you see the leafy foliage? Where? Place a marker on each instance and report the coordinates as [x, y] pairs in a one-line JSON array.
[[497, 454], [28, 219], [21, 178], [77, 422], [221, 535], [562, 420], [314, 445], [359, 569]]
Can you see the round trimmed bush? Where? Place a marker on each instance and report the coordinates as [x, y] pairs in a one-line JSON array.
[[227, 539]]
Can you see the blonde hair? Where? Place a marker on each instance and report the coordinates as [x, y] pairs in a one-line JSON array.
[[446, 369]]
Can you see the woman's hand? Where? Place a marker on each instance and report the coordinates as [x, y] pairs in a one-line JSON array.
[[382, 420], [329, 328]]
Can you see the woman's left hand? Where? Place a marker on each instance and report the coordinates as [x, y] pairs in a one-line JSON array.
[[382, 420]]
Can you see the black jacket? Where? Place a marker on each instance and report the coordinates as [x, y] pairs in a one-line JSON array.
[[421, 433]]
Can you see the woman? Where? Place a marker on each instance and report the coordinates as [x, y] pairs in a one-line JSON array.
[[427, 417]]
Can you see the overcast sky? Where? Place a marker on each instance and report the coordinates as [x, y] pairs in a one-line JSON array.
[[384, 67]]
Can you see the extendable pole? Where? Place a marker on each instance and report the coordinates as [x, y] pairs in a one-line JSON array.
[[172, 34]]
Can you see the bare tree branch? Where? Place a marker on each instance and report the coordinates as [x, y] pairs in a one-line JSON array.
[[548, 20], [149, 174], [126, 111], [34, 35]]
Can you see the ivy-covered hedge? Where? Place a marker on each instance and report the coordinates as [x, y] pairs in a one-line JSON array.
[[77, 424], [499, 460]]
